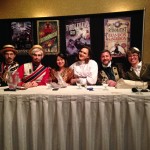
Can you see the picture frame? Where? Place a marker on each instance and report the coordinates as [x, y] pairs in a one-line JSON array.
[[77, 35], [22, 36], [48, 36], [117, 33]]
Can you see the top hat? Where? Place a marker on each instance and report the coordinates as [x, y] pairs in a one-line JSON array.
[[36, 47], [7, 48]]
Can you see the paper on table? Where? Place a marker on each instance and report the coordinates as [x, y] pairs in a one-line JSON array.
[[128, 84]]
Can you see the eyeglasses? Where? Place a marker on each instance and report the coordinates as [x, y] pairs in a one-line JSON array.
[[134, 55]]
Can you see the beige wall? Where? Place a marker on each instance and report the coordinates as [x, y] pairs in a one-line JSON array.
[[48, 8]]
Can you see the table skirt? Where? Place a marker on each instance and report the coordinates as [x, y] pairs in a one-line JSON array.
[[76, 122]]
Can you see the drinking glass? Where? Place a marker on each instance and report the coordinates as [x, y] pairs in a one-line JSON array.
[[11, 81], [48, 83], [104, 83], [138, 87], [139, 90], [83, 82], [78, 83]]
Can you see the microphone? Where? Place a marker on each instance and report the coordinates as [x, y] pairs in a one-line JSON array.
[[134, 90], [143, 90]]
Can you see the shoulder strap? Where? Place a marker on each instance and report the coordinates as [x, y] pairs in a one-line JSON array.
[[33, 76]]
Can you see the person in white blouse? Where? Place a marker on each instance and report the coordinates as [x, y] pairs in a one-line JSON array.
[[85, 68]]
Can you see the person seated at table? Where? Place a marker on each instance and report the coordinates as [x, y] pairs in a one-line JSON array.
[[85, 68], [108, 70], [138, 70], [9, 64], [61, 70], [33, 74]]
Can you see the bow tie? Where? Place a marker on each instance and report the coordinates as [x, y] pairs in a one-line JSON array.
[[106, 67]]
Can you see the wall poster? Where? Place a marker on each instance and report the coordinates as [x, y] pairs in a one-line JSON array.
[[77, 35], [48, 36], [117, 35], [21, 35]]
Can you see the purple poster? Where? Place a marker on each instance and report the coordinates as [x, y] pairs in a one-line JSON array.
[[77, 35]]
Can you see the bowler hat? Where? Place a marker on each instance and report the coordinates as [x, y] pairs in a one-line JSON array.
[[36, 47], [7, 48]]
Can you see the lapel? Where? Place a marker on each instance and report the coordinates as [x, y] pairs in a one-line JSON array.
[[143, 69]]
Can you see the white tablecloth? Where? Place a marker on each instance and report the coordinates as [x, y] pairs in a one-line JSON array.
[[74, 119]]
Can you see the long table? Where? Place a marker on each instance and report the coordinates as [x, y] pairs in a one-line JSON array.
[[74, 119]]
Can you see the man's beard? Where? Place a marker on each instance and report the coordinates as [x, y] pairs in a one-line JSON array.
[[9, 61]]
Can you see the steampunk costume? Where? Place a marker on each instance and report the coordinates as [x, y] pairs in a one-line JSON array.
[[6, 66], [138, 71], [5, 69], [86, 71], [28, 74], [33, 71], [144, 74], [113, 72]]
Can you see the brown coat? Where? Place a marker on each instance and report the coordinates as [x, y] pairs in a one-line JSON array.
[[144, 74]]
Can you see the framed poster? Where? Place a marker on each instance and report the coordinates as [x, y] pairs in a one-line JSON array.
[[48, 36], [117, 35], [22, 37], [77, 35]]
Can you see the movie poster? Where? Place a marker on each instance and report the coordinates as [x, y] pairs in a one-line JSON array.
[[48, 36], [117, 35], [77, 35], [22, 37]]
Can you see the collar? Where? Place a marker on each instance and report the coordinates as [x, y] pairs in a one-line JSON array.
[[137, 67], [34, 64], [81, 62], [109, 65]]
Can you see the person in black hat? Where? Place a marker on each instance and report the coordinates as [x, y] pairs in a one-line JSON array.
[[138, 70], [33, 74], [8, 65]]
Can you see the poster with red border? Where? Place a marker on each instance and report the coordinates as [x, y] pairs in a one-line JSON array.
[[48, 36], [117, 35], [77, 35]]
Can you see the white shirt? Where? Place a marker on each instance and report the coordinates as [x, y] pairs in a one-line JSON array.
[[109, 65], [137, 69], [88, 71]]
